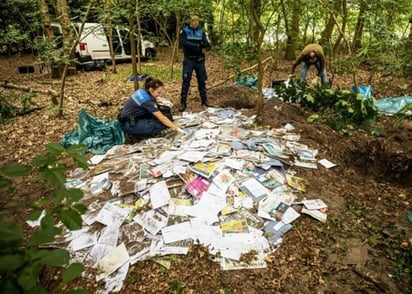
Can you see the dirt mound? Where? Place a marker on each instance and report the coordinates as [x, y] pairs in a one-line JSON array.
[[235, 96]]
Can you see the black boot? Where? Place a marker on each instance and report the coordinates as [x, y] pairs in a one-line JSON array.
[[182, 104], [205, 103]]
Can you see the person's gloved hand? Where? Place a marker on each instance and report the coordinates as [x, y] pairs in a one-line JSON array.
[[186, 131], [183, 131], [204, 45]]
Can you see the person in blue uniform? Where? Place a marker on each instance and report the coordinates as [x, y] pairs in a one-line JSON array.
[[141, 115], [194, 43]]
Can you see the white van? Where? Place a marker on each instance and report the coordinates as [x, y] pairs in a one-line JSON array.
[[93, 50]]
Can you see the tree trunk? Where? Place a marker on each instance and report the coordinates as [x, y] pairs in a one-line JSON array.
[[259, 33], [327, 32], [139, 39], [108, 7], [131, 9], [409, 42], [344, 22], [255, 11], [292, 31], [69, 48], [176, 43], [47, 63], [357, 38]]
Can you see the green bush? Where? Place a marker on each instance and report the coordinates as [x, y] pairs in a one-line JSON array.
[[23, 257], [342, 110]]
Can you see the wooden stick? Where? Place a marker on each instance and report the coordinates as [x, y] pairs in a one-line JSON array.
[[242, 71], [8, 85]]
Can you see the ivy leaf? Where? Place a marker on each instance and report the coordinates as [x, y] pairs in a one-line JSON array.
[[11, 262], [58, 195], [16, 170], [40, 161], [81, 161], [74, 195], [72, 272], [55, 257], [77, 291], [77, 148], [4, 183], [10, 233], [35, 215], [28, 277], [44, 236], [55, 148], [55, 177], [37, 290], [71, 219], [81, 208]]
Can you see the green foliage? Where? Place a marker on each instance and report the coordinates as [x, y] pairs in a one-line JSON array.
[[342, 110], [236, 54], [176, 286], [402, 260], [19, 22], [21, 261], [9, 104], [404, 113]]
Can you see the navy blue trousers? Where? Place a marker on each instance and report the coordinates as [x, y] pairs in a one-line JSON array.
[[150, 127], [199, 67]]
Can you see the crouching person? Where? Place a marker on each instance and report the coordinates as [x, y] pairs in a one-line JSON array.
[[141, 114]]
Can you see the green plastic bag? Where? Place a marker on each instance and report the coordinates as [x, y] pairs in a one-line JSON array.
[[98, 135]]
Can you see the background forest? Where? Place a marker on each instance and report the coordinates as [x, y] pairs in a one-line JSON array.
[[375, 33]]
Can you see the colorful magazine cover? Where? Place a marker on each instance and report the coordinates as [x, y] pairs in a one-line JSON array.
[[197, 187]]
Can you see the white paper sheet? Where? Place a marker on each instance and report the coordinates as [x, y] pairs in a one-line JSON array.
[[151, 221], [326, 163], [177, 232], [159, 194], [112, 261], [112, 215]]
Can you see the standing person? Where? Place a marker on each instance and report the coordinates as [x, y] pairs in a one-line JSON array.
[[312, 54], [141, 115], [194, 42]]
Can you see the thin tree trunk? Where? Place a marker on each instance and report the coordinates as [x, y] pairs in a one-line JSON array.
[[357, 38], [108, 6], [176, 43], [131, 6], [344, 21], [259, 33], [139, 39], [70, 49], [48, 32], [292, 29], [327, 32]]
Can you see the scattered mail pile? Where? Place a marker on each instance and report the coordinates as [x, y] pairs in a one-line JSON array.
[[224, 185]]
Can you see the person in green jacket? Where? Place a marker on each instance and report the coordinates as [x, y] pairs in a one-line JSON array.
[[312, 54]]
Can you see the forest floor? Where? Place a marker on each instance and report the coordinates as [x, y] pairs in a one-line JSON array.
[[369, 192]]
